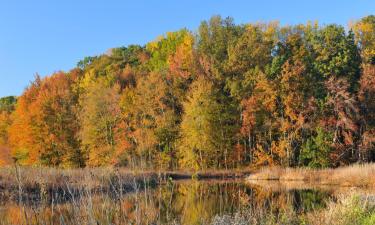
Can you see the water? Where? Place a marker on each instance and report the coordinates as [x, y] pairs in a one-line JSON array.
[[179, 202]]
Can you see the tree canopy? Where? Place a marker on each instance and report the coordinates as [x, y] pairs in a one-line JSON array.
[[224, 96]]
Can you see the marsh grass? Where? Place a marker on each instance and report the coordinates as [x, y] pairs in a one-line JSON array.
[[361, 175], [27, 184], [95, 177]]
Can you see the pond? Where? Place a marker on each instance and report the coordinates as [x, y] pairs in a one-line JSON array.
[[174, 202]]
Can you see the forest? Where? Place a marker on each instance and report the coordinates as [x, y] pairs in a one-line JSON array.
[[223, 96]]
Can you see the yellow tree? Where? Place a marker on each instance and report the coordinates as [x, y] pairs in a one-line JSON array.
[[364, 32], [151, 110], [100, 118], [208, 128]]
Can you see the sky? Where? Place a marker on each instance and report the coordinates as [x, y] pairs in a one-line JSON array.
[[45, 36]]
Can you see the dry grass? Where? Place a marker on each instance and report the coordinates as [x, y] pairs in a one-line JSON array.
[[276, 186], [48, 177], [16, 182], [347, 210], [28, 184], [31, 176], [351, 176]]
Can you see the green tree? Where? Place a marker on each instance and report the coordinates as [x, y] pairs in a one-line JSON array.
[[337, 54], [162, 49], [316, 150], [7, 104]]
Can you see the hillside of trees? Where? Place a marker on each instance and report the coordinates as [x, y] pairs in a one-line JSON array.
[[225, 96]]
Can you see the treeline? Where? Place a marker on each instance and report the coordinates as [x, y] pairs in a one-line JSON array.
[[226, 96]]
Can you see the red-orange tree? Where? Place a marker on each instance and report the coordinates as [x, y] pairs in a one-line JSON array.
[[45, 125]]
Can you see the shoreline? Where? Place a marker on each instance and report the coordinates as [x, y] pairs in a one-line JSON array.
[[358, 175], [33, 182]]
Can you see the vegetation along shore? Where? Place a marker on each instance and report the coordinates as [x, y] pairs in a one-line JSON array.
[[355, 175]]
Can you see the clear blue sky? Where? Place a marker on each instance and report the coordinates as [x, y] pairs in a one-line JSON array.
[[43, 36]]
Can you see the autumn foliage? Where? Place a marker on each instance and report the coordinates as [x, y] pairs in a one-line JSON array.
[[228, 96]]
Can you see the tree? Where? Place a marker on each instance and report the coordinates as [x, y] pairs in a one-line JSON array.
[[85, 62], [337, 54], [207, 129], [182, 60], [162, 50], [45, 125], [229, 95], [296, 90], [100, 119], [252, 49], [130, 55], [21, 135], [294, 99], [259, 121], [364, 32], [5, 122], [367, 107], [214, 37], [7, 105], [250, 53], [152, 110], [344, 114], [316, 150]]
